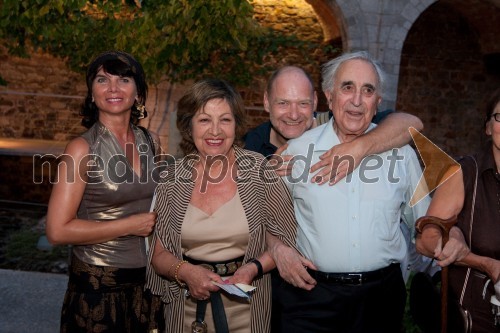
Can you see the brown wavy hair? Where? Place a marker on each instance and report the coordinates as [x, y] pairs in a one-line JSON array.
[[195, 99]]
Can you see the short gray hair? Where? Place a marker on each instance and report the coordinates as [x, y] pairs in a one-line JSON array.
[[329, 70]]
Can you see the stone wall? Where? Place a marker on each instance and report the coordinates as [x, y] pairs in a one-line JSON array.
[[42, 98], [290, 17]]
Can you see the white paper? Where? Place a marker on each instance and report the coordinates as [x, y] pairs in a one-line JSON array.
[[151, 209], [238, 289]]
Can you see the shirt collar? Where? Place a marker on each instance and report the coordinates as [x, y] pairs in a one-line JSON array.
[[267, 137], [328, 138]]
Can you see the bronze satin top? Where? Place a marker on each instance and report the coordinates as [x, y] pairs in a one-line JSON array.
[[115, 191]]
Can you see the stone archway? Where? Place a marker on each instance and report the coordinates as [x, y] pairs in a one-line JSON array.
[[444, 75], [379, 27], [328, 17]]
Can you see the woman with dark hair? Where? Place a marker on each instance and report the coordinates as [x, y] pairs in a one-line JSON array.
[[100, 204], [214, 209], [472, 194], [119, 64]]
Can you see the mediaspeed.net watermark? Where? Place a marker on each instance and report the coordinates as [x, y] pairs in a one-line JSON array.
[[94, 169]]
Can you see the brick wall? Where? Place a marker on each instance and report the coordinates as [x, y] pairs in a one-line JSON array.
[[443, 79]]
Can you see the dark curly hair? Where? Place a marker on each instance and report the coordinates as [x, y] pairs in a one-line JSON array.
[[195, 99], [114, 63]]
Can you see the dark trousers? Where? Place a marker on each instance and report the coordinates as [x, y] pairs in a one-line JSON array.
[[372, 307], [276, 282]]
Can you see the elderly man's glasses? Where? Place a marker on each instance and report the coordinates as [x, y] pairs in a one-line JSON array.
[[496, 116]]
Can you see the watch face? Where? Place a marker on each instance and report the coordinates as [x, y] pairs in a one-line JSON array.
[[197, 327]]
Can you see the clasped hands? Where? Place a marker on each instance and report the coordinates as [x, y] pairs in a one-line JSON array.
[[199, 280]]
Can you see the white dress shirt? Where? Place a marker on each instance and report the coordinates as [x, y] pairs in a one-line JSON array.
[[353, 226]]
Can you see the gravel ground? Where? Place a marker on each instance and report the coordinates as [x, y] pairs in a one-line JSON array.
[[30, 301]]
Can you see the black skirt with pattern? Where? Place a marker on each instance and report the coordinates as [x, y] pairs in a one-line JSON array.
[[108, 299]]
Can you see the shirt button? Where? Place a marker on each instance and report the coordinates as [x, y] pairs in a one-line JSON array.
[[354, 217]]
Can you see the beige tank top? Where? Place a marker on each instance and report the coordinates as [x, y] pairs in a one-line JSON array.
[[217, 237]]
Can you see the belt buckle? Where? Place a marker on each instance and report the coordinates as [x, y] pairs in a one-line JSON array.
[[199, 327], [357, 276]]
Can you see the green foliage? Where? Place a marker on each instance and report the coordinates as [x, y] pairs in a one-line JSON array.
[[181, 39]]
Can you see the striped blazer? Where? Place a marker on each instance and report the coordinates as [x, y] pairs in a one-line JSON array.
[[267, 205]]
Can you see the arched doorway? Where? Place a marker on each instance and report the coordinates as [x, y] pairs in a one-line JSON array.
[[448, 69]]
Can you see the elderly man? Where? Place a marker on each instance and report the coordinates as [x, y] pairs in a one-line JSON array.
[[350, 231]]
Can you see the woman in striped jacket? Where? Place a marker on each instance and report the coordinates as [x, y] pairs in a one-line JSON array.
[[214, 208]]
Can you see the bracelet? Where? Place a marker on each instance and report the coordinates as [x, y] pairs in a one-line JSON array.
[[170, 269], [176, 273], [260, 270]]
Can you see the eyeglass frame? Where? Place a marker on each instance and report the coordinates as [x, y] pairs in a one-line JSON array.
[[496, 116]]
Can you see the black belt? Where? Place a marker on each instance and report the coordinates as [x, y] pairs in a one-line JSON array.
[[223, 268], [353, 278], [218, 315]]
